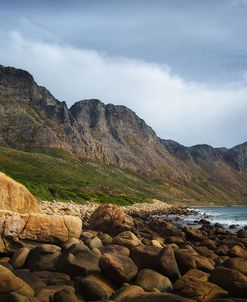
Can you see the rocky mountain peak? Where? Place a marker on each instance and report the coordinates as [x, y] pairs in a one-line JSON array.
[[30, 116]]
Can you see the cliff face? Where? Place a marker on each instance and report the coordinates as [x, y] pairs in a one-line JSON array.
[[236, 157], [31, 117]]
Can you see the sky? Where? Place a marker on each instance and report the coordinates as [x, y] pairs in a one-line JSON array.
[[180, 65]]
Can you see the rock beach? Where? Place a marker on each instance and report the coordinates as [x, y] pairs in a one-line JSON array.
[[56, 258]]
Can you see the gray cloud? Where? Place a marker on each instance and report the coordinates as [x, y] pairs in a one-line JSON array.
[[189, 112], [201, 40], [181, 65]]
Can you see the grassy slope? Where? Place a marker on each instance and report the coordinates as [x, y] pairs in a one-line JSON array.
[[54, 174], [50, 174]]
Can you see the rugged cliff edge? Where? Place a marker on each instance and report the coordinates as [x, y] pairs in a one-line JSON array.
[[31, 117]]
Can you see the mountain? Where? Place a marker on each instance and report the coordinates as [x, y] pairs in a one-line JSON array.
[[32, 120]]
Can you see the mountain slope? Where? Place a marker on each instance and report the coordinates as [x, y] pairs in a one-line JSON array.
[[32, 119]]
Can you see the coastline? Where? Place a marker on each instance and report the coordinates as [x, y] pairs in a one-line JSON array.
[[84, 211]]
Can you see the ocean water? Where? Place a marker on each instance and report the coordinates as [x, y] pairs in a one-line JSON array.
[[224, 215]]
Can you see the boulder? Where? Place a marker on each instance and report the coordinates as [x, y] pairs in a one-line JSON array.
[[19, 258], [46, 228], [229, 300], [46, 294], [127, 239], [242, 233], [167, 264], [228, 279], [209, 244], [68, 243], [111, 219], [14, 297], [193, 234], [93, 243], [206, 252], [158, 297], [127, 292], [86, 235], [239, 264], [105, 238], [115, 249], [197, 274], [119, 269], [17, 229], [53, 278], [165, 228], [145, 256], [193, 285], [152, 281], [64, 296], [203, 263], [78, 260], [180, 242], [44, 257], [156, 243], [31, 279], [237, 251], [232, 241], [95, 287], [15, 197], [2, 243], [185, 261], [188, 260], [222, 250], [10, 283]]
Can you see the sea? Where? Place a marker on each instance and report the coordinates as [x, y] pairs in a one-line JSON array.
[[225, 215]]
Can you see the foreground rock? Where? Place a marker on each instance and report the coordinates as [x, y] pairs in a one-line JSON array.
[[52, 259], [10, 283], [78, 260], [194, 284], [159, 297], [95, 287], [231, 280], [17, 230], [152, 281], [15, 197], [111, 219], [118, 268]]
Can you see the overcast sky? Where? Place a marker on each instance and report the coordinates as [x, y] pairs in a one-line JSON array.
[[181, 65]]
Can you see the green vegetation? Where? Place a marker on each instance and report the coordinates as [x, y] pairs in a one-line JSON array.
[[54, 174]]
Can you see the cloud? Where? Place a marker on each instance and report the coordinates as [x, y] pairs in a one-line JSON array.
[[188, 112], [239, 2]]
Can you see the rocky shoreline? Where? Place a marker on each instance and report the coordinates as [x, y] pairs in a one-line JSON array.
[[119, 254], [84, 211]]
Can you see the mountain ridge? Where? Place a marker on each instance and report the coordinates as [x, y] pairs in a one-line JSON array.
[[31, 117]]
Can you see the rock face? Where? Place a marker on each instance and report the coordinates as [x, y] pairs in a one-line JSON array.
[[31, 117], [18, 228], [15, 197], [91, 129]]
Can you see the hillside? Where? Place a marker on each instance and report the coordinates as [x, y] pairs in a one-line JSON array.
[[61, 152]]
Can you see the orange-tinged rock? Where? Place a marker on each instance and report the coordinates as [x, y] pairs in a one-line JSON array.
[[16, 197], [17, 228]]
